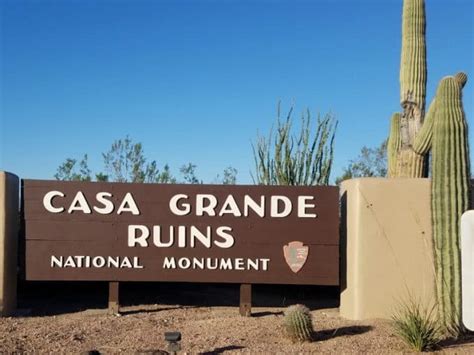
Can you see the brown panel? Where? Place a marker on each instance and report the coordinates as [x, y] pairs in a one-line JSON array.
[[250, 233], [86, 231], [72, 234], [320, 267]]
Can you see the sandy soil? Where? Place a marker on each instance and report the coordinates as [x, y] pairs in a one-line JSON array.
[[68, 324]]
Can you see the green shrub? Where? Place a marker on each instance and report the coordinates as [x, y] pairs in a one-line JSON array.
[[298, 323], [416, 326]]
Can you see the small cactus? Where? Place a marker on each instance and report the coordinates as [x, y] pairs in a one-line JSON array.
[[298, 323]]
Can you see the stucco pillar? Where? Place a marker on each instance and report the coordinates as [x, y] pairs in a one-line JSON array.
[[9, 221], [387, 255]]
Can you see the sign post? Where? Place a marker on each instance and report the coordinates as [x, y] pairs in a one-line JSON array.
[[245, 307], [9, 185], [114, 300]]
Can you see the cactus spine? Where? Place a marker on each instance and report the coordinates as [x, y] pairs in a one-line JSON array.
[[298, 323], [412, 90], [450, 197]]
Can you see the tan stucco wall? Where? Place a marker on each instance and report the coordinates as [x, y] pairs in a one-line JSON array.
[[9, 197], [387, 253]]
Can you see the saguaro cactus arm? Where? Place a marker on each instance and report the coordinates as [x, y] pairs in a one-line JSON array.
[[422, 144], [393, 145], [461, 78]]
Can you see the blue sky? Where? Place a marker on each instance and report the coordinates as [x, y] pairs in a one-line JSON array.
[[195, 80]]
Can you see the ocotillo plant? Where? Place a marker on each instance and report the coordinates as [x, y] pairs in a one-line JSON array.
[[445, 133], [404, 162], [302, 159]]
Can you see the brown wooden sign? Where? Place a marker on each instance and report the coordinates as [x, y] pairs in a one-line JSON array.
[[193, 233]]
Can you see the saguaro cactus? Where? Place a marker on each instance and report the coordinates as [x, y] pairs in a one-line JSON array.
[[444, 133], [412, 91], [450, 196]]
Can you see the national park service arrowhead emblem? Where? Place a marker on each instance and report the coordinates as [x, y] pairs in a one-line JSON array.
[[295, 255]]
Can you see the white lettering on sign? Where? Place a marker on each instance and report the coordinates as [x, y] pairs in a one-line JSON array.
[[98, 262], [48, 202], [157, 237], [139, 235], [108, 206], [302, 206], [206, 207], [185, 207], [133, 239], [181, 236], [80, 203], [224, 233], [275, 211], [250, 204], [128, 205], [179, 205], [230, 207], [239, 264], [207, 204]]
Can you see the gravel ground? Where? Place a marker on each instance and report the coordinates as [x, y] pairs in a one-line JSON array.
[[52, 328]]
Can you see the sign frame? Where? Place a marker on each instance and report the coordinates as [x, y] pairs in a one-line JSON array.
[[60, 224]]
